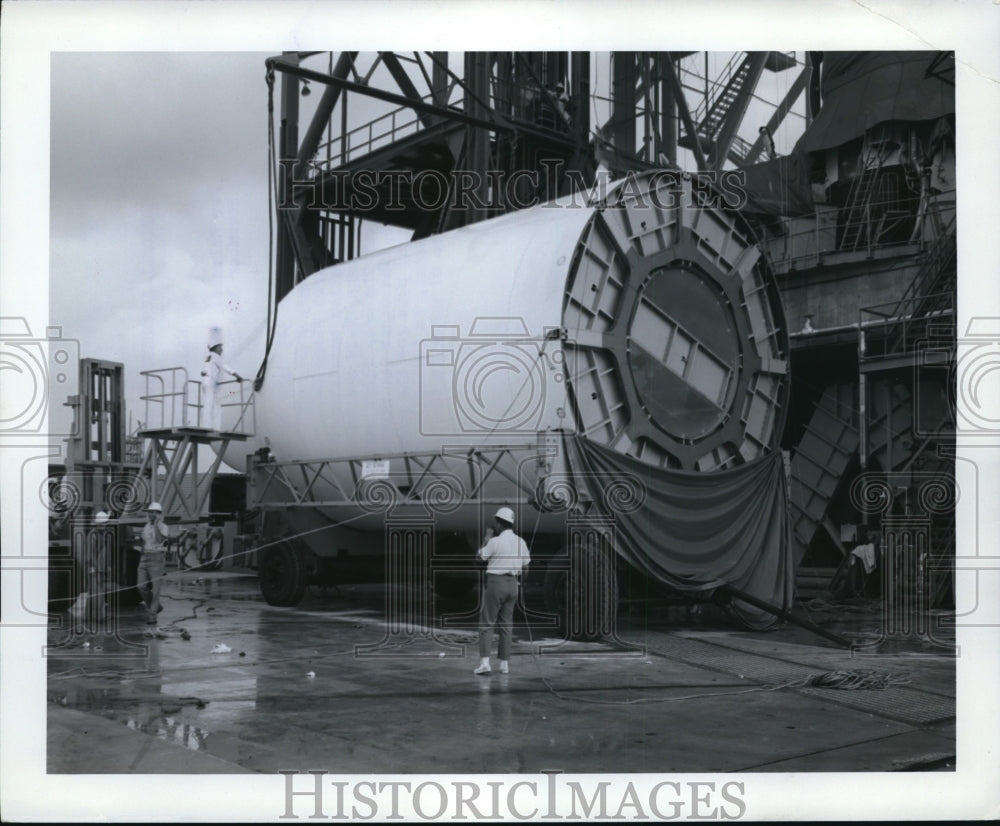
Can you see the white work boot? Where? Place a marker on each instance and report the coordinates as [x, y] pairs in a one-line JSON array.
[[504, 667], [484, 667]]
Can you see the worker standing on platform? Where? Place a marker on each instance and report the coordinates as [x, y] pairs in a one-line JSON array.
[[507, 556], [153, 562], [212, 379]]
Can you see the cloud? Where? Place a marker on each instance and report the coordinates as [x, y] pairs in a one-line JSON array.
[[133, 129], [159, 209]]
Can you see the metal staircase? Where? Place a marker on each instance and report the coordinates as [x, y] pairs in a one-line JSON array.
[[862, 196], [905, 349], [717, 119], [890, 333], [733, 79]]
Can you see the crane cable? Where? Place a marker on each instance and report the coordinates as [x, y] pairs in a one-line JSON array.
[[272, 310]]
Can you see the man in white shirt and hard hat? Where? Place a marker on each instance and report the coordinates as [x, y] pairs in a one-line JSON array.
[[506, 555], [153, 561]]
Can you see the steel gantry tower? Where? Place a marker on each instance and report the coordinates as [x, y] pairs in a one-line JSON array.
[[430, 141]]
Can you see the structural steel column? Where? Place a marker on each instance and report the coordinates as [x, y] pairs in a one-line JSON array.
[[477, 139], [668, 112], [288, 142], [580, 92], [623, 104]]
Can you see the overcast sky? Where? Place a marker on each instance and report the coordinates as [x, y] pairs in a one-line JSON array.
[[159, 221]]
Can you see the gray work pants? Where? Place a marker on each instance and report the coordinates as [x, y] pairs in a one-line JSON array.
[[149, 579], [497, 609]]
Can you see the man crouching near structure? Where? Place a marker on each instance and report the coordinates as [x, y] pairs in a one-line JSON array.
[[507, 556]]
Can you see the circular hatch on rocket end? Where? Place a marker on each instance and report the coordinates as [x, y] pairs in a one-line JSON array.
[[676, 344], [683, 353]]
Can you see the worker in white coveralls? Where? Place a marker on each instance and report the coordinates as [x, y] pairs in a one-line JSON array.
[[507, 556], [212, 377]]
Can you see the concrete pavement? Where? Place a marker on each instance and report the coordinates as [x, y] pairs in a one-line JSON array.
[[226, 683]]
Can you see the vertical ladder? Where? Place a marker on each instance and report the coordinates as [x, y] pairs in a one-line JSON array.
[[857, 223]]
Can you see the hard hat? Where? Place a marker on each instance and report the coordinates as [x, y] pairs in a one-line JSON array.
[[214, 337], [506, 515], [101, 517], [155, 506]]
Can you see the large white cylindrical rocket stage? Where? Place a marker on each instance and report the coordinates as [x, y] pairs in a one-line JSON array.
[[647, 323], [621, 361]]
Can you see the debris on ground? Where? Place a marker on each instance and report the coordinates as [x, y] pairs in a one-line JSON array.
[[175, 704]]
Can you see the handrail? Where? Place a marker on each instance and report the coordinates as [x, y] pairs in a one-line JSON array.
[[389, 127], [901, 325], [169, 404], [169, 397], [718, 87], [245, 404], [876, 222]]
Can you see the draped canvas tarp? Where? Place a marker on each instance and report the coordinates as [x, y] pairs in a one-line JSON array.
[[699, 531], [864, 89]]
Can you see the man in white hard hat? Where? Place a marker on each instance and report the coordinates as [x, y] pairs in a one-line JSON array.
[[92, 561], [507, 556], [212, 377], [99, 550], [153, 562]]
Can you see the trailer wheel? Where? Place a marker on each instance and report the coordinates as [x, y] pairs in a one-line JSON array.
[[282, 573], [585, 598]]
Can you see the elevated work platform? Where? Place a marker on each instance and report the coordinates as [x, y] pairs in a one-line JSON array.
[[174, 438], [171, 456]]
